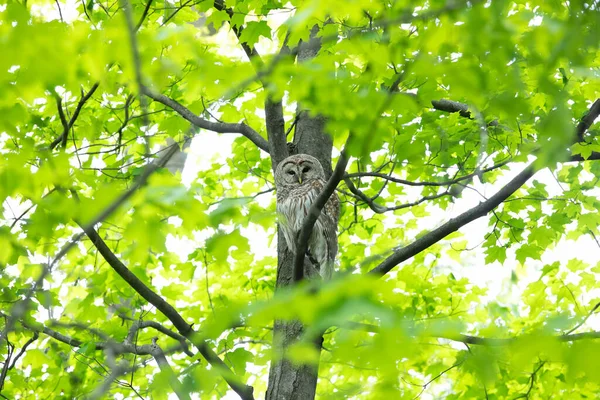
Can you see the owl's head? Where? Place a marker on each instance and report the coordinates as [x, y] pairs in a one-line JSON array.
[[298, 169]]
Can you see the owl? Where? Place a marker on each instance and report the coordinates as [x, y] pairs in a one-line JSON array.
[[299, 179]]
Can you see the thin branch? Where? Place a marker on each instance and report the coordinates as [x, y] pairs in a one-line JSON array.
[[585, 319], [66, 127], [250, 51], [379, 209], [137, 325], [144, 15], [413, 183], [24, 349], [531, 382], [218, 127], [478, 340]]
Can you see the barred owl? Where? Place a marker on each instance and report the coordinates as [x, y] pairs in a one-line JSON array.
[[299, 180]]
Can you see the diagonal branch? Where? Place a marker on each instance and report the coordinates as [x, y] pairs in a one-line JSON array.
[[454, 224], [476, 212], [245, 392], [314, 212], [219, 127]]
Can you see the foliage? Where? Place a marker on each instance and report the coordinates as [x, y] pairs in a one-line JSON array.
[[439, 98]]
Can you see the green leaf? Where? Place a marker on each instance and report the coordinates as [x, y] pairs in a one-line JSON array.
[[253, 30]]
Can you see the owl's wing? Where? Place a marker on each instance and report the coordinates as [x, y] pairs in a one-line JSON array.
[[330, 217]]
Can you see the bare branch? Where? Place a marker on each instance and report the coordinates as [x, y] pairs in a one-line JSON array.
[[219, 127]]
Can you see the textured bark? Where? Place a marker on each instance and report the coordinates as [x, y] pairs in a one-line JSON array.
[[288, 381]]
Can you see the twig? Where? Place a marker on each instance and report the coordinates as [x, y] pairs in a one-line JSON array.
[[67, 126]]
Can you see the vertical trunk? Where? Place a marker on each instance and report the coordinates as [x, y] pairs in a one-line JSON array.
[[288, 381]]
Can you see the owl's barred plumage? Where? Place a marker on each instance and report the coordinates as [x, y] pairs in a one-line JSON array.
[[299, 180]]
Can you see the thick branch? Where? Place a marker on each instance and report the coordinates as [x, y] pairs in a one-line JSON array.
[[478, 211], [454, 224], [587, 120], [245, 392], [451, 107], [314, 212], [219, 127]]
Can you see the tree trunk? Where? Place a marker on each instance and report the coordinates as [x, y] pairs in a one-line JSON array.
[[288, 381]]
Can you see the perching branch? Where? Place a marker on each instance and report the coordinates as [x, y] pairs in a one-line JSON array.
[[314, 212], [219, 127], [245, 392]]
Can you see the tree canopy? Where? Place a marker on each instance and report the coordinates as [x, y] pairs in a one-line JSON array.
[[117, 280]]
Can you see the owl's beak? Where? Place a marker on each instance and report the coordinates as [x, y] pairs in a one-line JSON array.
[[300, 179]]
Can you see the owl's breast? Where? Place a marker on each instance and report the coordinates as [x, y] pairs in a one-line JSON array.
[[295, 205]]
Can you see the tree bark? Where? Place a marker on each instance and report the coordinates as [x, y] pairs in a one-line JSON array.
[[288, 381]]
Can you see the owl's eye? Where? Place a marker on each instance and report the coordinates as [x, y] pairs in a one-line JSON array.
[[305, 169], [291, 172]]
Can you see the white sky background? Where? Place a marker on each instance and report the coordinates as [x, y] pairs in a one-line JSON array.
[[208, 147]]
